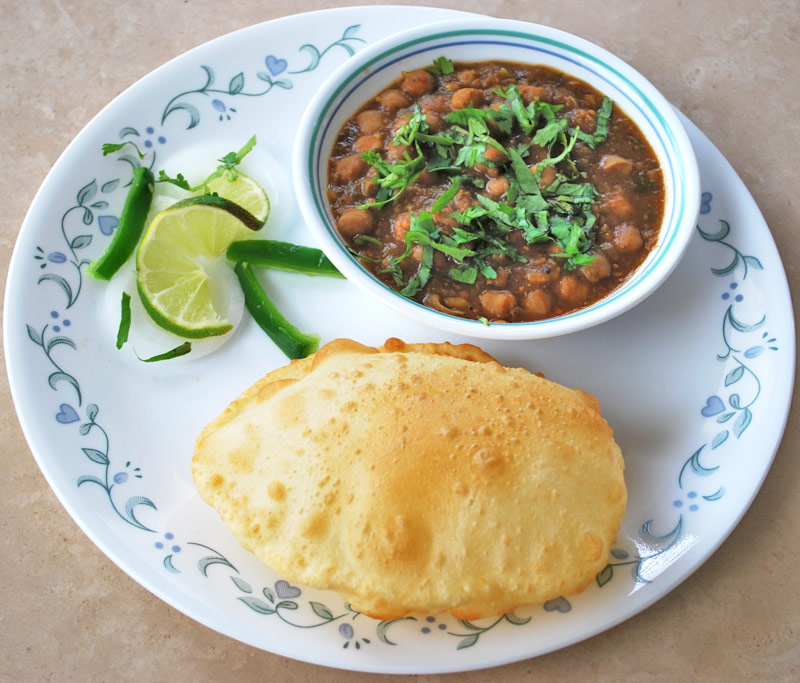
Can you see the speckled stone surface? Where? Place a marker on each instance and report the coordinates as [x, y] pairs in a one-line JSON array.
[[67, 613]]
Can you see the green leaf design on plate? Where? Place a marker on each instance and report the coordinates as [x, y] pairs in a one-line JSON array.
[[605, 575], [257, 605]]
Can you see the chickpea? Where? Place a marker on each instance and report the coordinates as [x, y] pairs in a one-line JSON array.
[[435, 122], [502, 277], [627, 237], [401, 225], [585, 119], [368, 187], [498, 304], [572, 292], [532, 93], [459, 303], [538, 303], [399, 122], [490, 171], [467, 76], [497, 187], [443, 220], [354, 222], [614, 163], [466, 97], [392, 100], [565, 97], [617, 205], [395, 152], [494, 155], [349, 168], [542, 274], [417, 83], [371, 143], [463, 200], [548, 175], [435, 107], [598, 269], [371, 121]]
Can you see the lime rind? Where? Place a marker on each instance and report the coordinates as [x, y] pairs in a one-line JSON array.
[[243, 191], [222, 203]]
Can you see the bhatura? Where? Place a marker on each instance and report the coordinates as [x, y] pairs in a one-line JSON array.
[[417, 479]]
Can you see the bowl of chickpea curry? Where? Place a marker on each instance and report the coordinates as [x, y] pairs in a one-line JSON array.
[[497, 179]]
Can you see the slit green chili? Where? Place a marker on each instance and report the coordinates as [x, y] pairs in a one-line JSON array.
[[130, 228], [283, 256], [290, 340]]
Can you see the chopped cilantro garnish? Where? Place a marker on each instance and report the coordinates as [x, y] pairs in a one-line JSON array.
[[601, 129], [406, 135], [418, 281], [527, 183], [448, 195], [466, 275], [362, 240], [392, 178], [559, 212], [228, 165], [111, 147], [441, 66]]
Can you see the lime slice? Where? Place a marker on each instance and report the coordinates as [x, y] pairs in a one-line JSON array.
[[243, 191], [175, 260]]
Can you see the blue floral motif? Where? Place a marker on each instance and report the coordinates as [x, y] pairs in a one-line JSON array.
[[107, 224], [732, 411], [66, 414], [64, 264], [237, 85], [275, 65]]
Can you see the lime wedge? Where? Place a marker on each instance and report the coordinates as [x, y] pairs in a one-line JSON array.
[[175, 260], [243, 191]]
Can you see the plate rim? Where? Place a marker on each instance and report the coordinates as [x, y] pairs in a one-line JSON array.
[[27, 428]]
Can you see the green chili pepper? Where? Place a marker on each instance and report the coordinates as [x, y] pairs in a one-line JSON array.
[[125, 320], [290, 340], [130, 228], [283, 256]]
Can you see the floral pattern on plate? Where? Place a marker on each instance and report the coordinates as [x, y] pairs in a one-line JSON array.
[[52, 338]]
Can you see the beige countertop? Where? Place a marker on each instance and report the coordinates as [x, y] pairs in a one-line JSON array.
[[68, 613]]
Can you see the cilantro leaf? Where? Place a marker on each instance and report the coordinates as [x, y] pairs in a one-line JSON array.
[[180, 181], [447, 196], [441, 66], [466, 275], [526, 180], [228, 165], [418, 281], [111, 147], [407, 133], [392, 178], [601, 129]]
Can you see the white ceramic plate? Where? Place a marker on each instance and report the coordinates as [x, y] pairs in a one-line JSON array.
[[696, 381]]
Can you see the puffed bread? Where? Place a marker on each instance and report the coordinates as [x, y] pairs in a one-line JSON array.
[[417, 479]]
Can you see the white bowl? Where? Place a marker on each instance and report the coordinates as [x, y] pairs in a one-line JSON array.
[[476, 40]]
